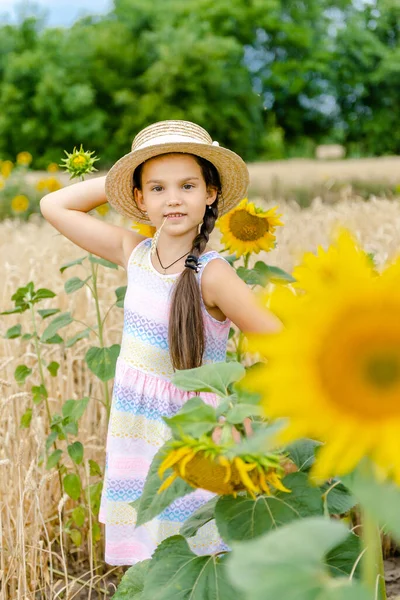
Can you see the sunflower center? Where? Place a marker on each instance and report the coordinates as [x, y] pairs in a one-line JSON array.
[[383, 370], [247, 227], [359, 362]]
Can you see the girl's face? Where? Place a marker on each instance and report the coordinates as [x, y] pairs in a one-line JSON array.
[[174, 183]]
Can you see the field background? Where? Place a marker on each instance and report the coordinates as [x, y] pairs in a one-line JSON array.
[[34, 251]]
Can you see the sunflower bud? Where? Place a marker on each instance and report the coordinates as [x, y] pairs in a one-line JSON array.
[[79, 162]]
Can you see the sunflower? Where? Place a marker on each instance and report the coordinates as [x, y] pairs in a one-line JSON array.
[[24, 158], [247, 229], [103, 209], [6, 168], [204, 464], [334, 372], [20, 203], [79, 162], [144, 229]]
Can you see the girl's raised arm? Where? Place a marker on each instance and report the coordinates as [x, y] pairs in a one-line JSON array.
[[66, 210]]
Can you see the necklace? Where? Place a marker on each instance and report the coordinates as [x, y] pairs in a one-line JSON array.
[[175, 261]]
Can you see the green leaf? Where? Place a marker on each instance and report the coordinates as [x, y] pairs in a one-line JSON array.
[[78, 515], [72, 485], [96, 531], [85, 333], [55, 339], [75, 451], [76, 536], [93, 496], [53, 368], [343, 557], [74, 408], [102, 261], [42, 294], [62, 320], [39, 393], [54, 459], [239, 412], [200, 517], [132, 583], [21, 373], [231, 333], [152, 504], [302, 453], [74, 284], [339, 499], [67, 265], [214, 378], [48, 312], [261, 274], [27, 336], [288, 562], [120, 293], [195, 418], [102, 361], [94, 468], [13, 332], [26, 419], [12, 311], [243, 518], [175, 572], [51, 438]]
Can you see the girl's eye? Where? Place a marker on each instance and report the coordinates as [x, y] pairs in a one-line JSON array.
[[188, 184], [156, 188]]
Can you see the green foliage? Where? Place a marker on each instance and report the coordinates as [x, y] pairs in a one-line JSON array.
[[174, 567], [151, 503], [283, 75], [290, 563]]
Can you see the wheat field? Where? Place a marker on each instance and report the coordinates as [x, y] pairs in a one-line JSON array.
[[32, 564]]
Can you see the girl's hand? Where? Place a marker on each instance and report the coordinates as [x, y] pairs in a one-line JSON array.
[[216, 434]]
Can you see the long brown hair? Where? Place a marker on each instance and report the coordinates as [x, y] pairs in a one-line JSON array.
[[186, 335]]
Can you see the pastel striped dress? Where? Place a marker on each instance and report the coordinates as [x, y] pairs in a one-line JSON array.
[[142, 395]]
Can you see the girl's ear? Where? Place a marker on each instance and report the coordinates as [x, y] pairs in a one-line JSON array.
[[212, 192], [138, 196]]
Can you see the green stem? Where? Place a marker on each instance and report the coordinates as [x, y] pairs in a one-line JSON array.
[[43, 382], [373, 574], [246, 260], [239, 352], [100, 332]]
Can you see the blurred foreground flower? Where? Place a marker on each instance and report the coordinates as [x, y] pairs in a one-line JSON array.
[[247, 229], [6, 167], [144, 229], [52, 168], [20, 203], [334, 372], [24, 158], [103, 209], [79, 162], [204, 464]]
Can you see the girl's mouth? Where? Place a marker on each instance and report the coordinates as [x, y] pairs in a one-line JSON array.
[[176, 216]]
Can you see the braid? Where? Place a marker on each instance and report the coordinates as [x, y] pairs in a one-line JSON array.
[[210, 216]]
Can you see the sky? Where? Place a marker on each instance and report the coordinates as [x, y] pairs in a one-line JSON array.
[[60, 12]]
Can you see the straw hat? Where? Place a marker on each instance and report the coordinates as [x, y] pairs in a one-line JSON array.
[[175, 136]]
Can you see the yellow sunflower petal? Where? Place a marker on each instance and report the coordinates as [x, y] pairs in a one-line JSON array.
[[167, 482], [173, 457], [226, 463], [241, 467]]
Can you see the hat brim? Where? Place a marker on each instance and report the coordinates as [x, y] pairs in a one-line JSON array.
[[232, 170]]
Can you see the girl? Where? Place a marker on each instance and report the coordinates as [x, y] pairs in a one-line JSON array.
[[179, 304]]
